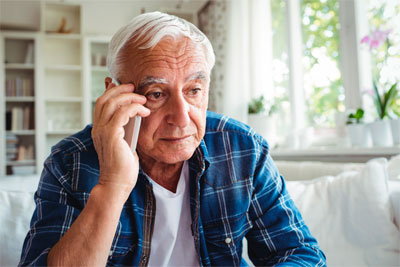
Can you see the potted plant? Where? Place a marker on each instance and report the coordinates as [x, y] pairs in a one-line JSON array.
[[384, 131], [261, 117], [381, 129], [358, 132]]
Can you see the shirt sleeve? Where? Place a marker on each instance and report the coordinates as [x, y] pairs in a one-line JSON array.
[[279, 236], [54, 213]]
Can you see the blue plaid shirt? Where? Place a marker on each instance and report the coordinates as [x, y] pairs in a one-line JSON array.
[[236, 191]]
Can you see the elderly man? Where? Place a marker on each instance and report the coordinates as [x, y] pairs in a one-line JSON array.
[[198, 184]]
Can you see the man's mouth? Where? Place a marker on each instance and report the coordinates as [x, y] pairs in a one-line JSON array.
[[176, 139]]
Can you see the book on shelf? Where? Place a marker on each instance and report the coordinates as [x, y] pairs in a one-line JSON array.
[[11, 138], [19, 86], [21, 118], [11, 146], [25, 152], [8, 119]]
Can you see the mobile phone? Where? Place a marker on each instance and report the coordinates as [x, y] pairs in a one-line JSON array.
[[131, 128]]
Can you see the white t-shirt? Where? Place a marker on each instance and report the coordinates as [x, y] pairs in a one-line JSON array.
[[172, 243]]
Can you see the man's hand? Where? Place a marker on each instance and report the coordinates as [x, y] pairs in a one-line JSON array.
[[88, 241], [118, 165]]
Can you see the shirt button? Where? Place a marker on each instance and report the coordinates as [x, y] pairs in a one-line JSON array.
[[228, 240]]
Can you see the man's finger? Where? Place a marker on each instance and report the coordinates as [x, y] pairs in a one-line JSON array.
[[122, 116], [117, 102], [109, 93]]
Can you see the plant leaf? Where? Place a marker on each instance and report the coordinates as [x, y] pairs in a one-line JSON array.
[[388, 98], [378, 101]]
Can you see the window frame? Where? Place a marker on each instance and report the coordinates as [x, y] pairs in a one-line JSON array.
[[355, 63]]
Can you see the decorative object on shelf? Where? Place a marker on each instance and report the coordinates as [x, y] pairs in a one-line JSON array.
[[359, 133], [261, 116], [99, 59], [62, 27]]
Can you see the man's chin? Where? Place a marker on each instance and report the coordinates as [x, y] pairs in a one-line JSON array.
[[176, 157]]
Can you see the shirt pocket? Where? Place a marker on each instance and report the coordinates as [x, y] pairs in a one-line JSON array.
[[224, 236]]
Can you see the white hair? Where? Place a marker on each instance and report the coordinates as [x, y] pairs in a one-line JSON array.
[[148, 30]]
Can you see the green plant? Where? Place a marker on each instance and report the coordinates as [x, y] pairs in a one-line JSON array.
[[257, 105], [355, 117], [260, 105], [384, 102]]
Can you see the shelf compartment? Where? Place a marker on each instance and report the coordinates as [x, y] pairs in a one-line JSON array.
[[19, 51], [19, 83], [98, 55], [55, 12], [20, 116], [20, 149], [63, 117], [62, 51], [63, 84]]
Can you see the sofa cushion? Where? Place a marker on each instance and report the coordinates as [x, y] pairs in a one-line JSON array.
[[306, 170], [16, 209], [350, 215], [15, 214]]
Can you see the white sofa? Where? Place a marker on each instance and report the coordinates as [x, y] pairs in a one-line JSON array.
[[354, 213]]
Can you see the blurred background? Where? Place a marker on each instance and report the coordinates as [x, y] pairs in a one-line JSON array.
[[318, 79]]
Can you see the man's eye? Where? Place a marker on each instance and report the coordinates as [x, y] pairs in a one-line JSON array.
[[154, 95], [194, 91]]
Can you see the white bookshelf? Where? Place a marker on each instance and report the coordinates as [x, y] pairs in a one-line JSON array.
[[18, 102], [67, 69], [55, 69], [63, 81]]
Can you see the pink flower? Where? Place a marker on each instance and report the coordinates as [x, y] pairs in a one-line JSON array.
[[376, 39], [366, 39]]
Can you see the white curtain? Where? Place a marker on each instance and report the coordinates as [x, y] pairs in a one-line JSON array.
[[243, 50]]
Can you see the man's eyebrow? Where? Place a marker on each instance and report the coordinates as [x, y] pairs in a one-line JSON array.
[[200, 75], [149, 80]]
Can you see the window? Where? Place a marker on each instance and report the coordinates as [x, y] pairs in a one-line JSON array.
[[333, 72], [323, 88], [384, 45]]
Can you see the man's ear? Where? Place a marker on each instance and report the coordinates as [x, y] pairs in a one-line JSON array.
[[107, 82]]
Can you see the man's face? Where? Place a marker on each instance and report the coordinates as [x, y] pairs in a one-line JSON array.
[[174, 77]]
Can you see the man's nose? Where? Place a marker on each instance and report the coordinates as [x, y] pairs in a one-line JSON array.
[[178, 111]]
